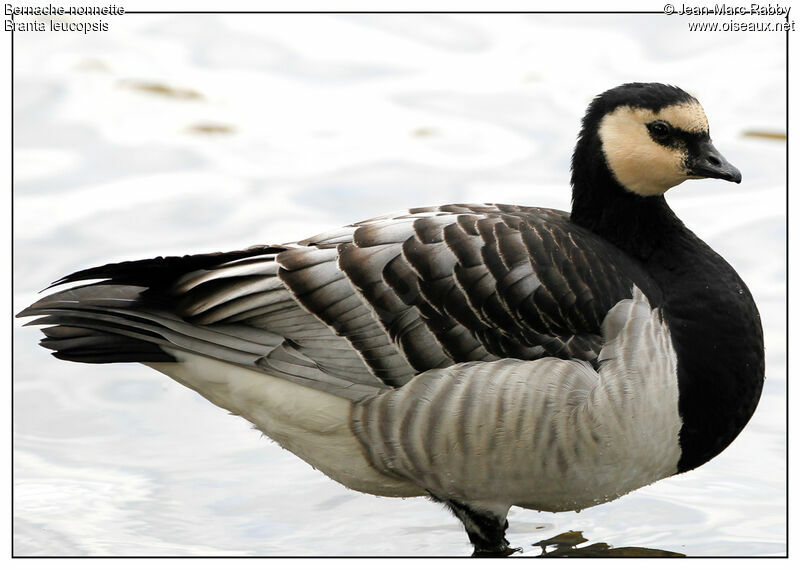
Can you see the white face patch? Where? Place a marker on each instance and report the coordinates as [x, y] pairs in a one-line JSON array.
[[639, 163]]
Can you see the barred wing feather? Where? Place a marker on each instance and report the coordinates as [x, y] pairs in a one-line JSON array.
[[362, 308]]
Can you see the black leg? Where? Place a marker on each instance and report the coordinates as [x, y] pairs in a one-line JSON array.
[[486, 531]]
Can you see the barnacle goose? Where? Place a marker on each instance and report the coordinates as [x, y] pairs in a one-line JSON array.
[[482, 355]]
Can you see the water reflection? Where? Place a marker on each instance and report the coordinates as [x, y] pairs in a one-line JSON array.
[[566, 546]]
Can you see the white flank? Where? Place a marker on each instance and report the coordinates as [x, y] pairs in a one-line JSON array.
[[312, 424]]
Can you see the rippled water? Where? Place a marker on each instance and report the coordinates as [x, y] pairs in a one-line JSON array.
[[178, 134]]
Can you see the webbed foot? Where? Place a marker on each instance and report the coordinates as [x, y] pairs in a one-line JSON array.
[[502, 551]]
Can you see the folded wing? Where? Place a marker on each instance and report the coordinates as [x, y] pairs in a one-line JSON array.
[[363, 308]]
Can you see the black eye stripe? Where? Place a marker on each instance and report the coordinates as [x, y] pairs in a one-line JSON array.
[[691, 135], [677, 132], [667, 135], [664, 134]]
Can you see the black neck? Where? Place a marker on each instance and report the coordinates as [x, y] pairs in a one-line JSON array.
[[636, 224], [713, 320]]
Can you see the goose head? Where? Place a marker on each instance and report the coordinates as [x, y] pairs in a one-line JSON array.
[[650, 137], [636, 142]]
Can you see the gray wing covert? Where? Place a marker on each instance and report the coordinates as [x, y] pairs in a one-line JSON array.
[[466, 283], [364, 307]]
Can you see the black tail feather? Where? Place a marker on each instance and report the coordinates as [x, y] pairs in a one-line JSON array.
[[161, 272], [125, 317], [100, 347]]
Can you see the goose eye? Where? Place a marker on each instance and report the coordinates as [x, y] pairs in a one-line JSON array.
[[659, 130]]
